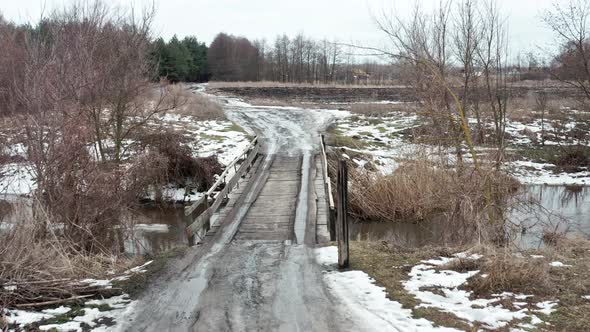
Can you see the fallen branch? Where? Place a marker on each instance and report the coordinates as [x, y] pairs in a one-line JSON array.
[[47, 303]]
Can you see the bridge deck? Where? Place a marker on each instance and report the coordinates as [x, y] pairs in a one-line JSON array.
[[272, 215]]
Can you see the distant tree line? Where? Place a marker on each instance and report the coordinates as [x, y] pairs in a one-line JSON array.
[[290, 60], [178, 60]]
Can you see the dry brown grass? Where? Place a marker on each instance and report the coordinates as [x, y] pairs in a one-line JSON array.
[[189, 103], [525, 109], [419, 189], [270, 84], [31, 262], [373, 109], [507, 272]]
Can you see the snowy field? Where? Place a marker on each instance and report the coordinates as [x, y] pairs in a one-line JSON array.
[[381, 139]]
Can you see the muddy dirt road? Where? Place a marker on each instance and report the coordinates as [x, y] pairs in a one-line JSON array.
[[257, 271]]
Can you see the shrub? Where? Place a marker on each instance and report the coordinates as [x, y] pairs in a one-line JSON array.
[[182, 168], [572, 158], [463, 203], [45, 268], [419, 189], [504, 272]]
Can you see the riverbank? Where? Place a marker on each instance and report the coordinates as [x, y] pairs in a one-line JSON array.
[[466, 289]]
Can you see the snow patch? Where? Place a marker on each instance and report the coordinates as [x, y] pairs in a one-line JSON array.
[[449, 298], [367, 302], [559, 264]]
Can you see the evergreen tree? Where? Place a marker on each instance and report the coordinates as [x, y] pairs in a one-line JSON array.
[[181, 61]]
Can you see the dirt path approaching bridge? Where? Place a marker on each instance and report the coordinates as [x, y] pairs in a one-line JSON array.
[[256, 269]]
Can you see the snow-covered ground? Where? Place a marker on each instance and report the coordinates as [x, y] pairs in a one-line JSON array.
[[211, 137], [221, 138], [380, 139], [369, 305], [530, 172]]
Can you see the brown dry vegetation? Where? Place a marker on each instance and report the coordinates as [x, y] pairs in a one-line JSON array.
[[79, 109], [506, 270], [421, 189], [46, 269], [270, 84], [519, 273], [192, 104], [182, 168], [371, 109]]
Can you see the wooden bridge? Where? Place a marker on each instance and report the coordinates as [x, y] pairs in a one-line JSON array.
[[261, 193], [253, 269]]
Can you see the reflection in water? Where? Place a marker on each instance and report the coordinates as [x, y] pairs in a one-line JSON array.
[[433, 231], [151, 230], [555, 209], [403, 234], [155, 230], [147, 230], [550, 208]]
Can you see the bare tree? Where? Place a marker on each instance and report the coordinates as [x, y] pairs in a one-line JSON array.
[[492, 59], [77, 93], [541, 106], [569, 21]]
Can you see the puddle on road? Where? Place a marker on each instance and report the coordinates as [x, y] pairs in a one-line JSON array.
[[148, 229], [562, 208]]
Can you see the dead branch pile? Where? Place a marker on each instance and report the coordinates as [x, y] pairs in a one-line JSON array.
[[42, 293], [36, 272]]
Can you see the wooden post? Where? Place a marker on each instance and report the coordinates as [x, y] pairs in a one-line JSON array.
[[342, 214], [191, 235], [327, 185], [332, 224]]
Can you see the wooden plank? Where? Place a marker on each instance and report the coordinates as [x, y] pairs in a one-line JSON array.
[[262, 237], [281, 187], [328, 188], [342, 222], [253, 218], [197, 206], [281, 178], [288, 202], [271, 211], [265, 228]]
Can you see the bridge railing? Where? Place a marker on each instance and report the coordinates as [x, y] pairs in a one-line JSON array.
[[200, 212], [328, 187]]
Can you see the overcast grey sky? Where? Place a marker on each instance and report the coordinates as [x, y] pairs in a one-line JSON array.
[[346, 20]]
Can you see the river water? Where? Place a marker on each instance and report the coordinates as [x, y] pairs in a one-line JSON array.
[[151, 230], [147, 230], [565, 209]]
